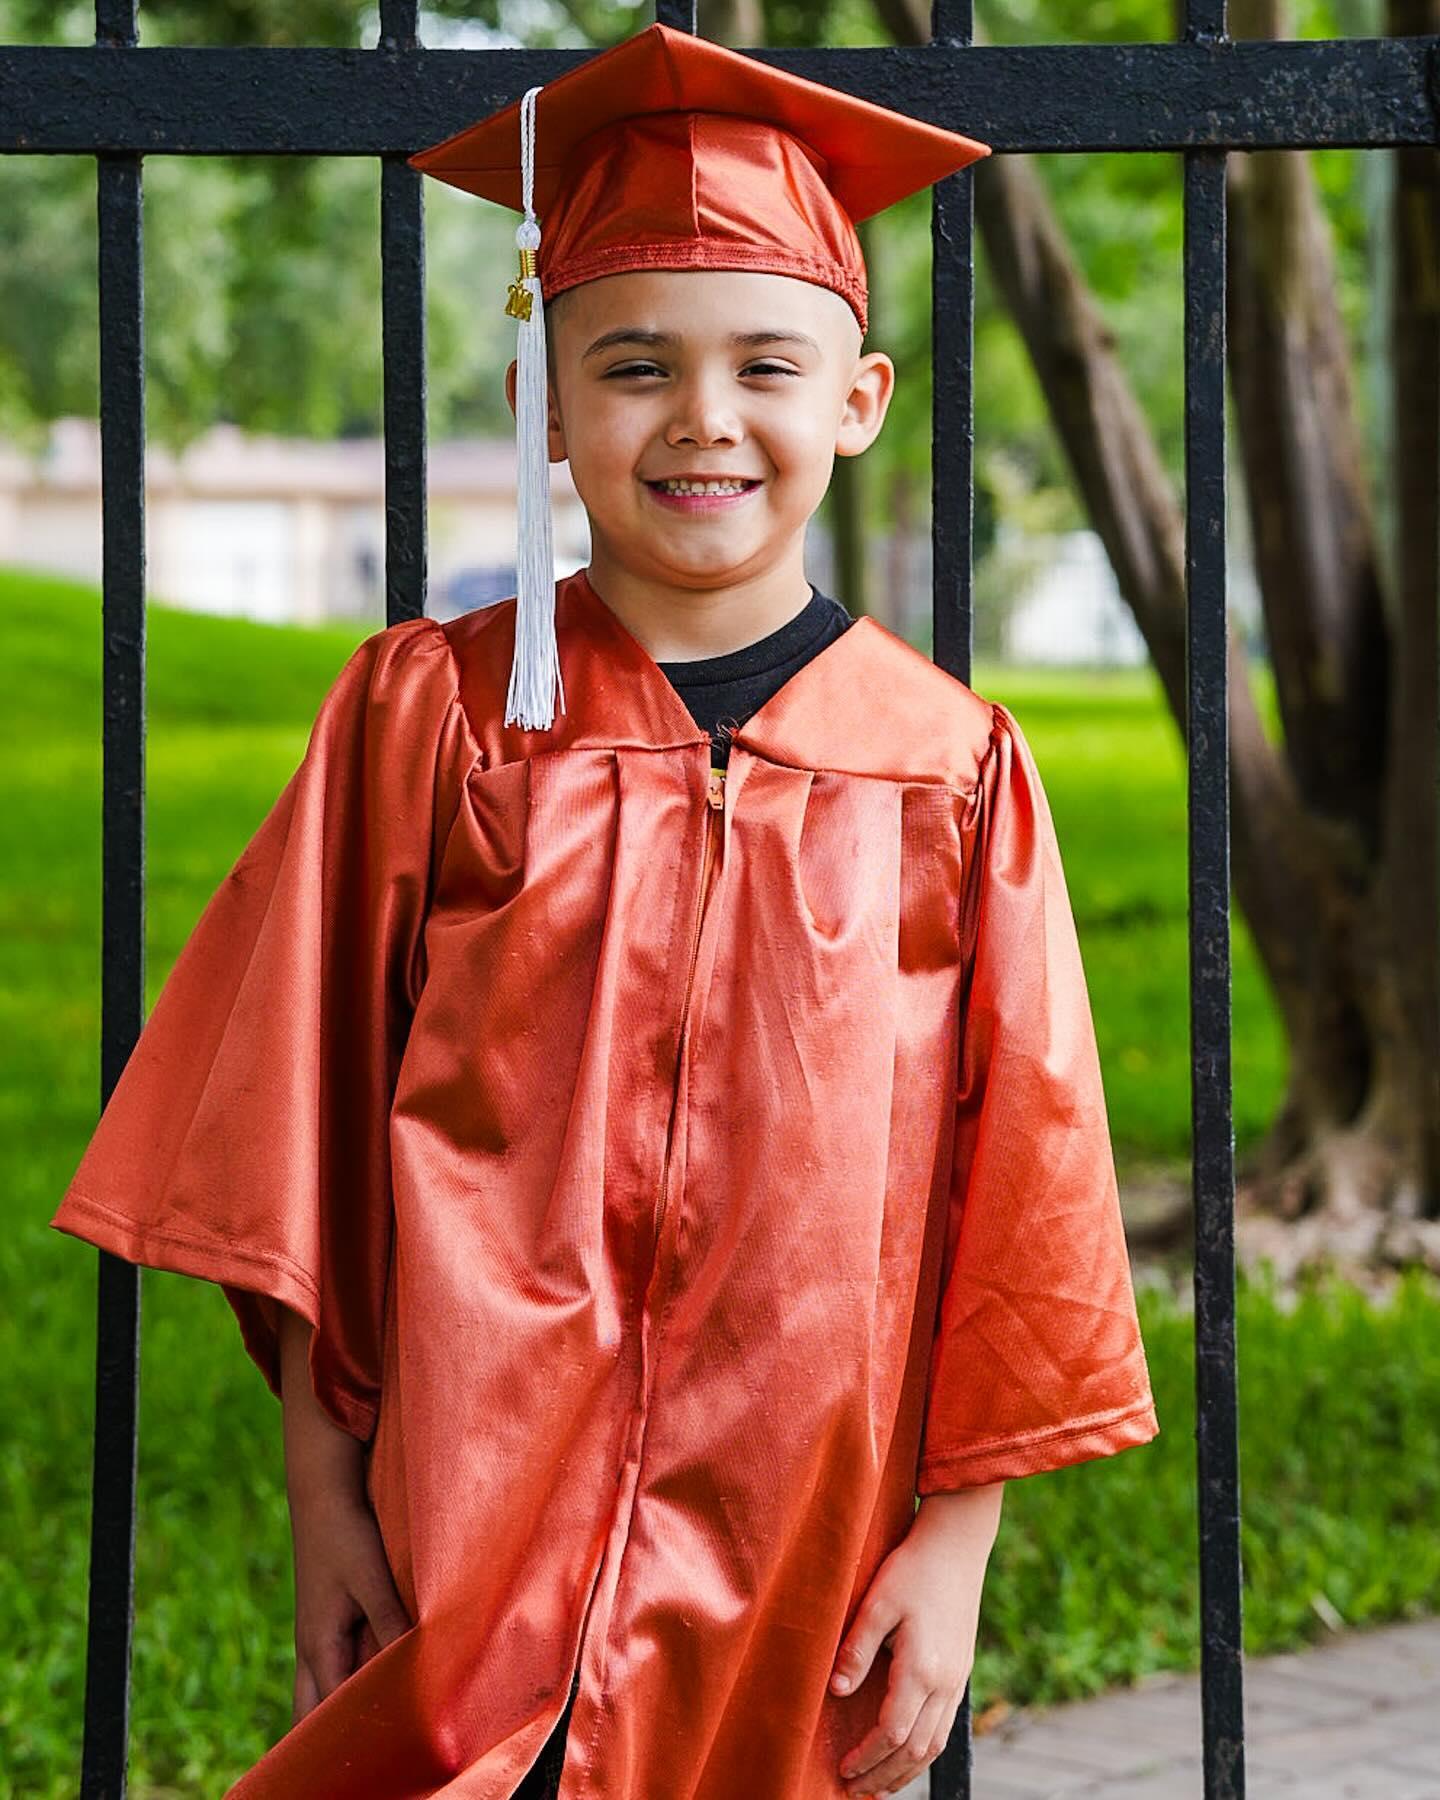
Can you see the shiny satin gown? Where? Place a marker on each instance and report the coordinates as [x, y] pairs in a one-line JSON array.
[[681, 1172]]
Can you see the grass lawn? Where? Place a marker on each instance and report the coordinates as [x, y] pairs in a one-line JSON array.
[[1092, 1580]]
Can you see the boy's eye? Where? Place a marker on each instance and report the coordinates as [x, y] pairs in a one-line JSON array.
[[643, 368]]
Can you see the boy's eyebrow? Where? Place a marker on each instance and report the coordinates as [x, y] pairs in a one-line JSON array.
[[667, 340]]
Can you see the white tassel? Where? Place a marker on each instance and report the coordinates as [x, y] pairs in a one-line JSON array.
[[535, 665]]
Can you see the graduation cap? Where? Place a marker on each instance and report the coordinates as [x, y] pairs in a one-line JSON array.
[[667, 151]]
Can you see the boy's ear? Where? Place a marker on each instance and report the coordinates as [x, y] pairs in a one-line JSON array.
[[866, 404], [557, 449]]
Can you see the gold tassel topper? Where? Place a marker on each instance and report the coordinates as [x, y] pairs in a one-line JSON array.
[[521, 299]]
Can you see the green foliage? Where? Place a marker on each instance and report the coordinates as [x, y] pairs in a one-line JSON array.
[[1114, 771], [1152, 21], [48, 309], [263, 280], [217, 22]]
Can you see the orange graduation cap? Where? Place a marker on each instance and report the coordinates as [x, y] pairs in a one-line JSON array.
[[667, 151]]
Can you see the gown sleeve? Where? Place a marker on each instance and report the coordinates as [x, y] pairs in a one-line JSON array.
[[1037, 1360], [246, 1140]]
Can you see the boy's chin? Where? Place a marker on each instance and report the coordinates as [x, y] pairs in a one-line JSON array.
[[676, 565], [724, 561], [700, 539]]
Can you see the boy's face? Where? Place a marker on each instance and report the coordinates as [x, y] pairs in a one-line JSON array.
[[683, 398]]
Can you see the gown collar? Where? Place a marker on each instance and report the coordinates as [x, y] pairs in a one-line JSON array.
[[617, 693], [868, 703]]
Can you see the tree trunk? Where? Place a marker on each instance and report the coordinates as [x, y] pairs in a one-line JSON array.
[[846, 506], [738, 23], [1410, 885], [901, 523], [848, 503], [1334, 839], [1353, 1149]]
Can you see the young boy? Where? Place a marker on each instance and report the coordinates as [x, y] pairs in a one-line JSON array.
[[651, 1145]]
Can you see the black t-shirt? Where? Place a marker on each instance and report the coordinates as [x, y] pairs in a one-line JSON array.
[[721, 692]]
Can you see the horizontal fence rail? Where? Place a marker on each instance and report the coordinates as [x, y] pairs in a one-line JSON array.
[[1205, 97], [1369, 92]]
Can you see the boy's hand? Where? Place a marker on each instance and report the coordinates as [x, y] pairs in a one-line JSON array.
[[924, 1602], [346, 1604]]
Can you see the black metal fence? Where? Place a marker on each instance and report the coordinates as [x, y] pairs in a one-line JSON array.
[[1204, 96]]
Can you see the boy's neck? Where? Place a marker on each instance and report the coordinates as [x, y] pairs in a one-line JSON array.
[[683, 624]]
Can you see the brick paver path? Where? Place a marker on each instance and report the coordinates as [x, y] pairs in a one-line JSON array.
[[1357, 1718]]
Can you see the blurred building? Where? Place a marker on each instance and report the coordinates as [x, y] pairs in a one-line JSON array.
[[1071, 610], [278, 529]]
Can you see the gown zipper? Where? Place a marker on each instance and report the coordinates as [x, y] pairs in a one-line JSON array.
[[714, 811], [714, 808]]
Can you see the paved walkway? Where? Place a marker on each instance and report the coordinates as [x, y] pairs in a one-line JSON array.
[[1357, 1718]]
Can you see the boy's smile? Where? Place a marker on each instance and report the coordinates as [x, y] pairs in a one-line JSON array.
[[700, 493], [701, 412]]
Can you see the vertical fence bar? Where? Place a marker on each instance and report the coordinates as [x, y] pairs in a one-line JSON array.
[[952, 500], [402, 299], [122, 972], [952, 508], [1208, 746]]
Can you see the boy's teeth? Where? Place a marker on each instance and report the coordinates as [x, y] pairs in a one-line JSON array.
[[702, 487]]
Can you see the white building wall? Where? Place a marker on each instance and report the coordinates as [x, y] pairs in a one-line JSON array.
[[1073, 612], [59, 533], [237, 557]]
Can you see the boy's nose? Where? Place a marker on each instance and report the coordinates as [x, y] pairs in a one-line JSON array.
[[705, 423], [704, 437]]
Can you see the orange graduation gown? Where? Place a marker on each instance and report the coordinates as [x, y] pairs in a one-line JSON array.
[[680, 1172]]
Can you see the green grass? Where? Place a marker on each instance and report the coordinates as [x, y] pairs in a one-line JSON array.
[[1114, 771], [1093, 1578]]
